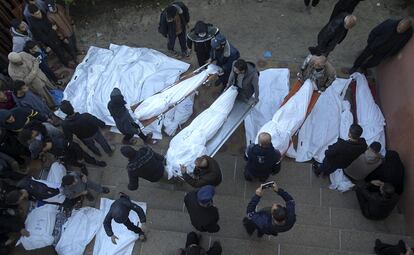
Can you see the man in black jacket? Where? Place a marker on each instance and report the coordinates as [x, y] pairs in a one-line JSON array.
[[15, 119], [144, 163], [384, 41], [262, 159], [201, 36], [341, 6], [86, 127], [206, 172], [333, 33], [10, 145], [376, 199], [342, 153], [193, 247], [119, 212], [203, 214], [173, 24], [43, 31]]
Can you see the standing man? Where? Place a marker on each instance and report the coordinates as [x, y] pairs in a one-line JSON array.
[[333, 33], [15, 119], [273, 220], [203, 214], [206, 172], [245, 77], [201, 36], [223, 54], [342, 153], [341, 6], [173, 24], [384, 41], [262, 159], [144, 163], [319, 70], [86, 127], [39, 3], [119, 212], [21, 34]]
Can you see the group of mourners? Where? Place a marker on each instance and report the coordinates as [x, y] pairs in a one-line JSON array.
[[30, 130]]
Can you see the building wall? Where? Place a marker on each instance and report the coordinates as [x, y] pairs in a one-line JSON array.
[[395, 80]]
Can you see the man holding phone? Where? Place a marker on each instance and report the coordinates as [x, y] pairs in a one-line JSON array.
[[270, 220]]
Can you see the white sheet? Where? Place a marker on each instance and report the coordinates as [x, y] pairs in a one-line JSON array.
[[40, 223], [322, 127], [79, 230], [273, 86], [190, 143], [340, 182], [56, 173], [127, 238], [370, 117], [137, 72], [288, 118]]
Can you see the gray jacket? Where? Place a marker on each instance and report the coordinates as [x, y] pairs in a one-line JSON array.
[[249, 81], [19, 39]]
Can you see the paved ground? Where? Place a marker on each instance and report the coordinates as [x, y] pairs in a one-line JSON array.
[[328, 222]]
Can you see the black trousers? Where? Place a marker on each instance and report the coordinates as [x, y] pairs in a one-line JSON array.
[[47, 71], [314, 2], [181, 39], [74, 153], [192, 239], [99, 138], [202, 57], [59, 50], [367, 59]]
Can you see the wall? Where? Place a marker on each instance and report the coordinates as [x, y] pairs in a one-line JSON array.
[[395, 80]]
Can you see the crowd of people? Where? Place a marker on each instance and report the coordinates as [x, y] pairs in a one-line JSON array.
[[29, 129]]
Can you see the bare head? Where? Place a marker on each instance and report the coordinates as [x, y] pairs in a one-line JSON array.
[[404, 25], [201, 162], [319, 61], [350, 21], [265, 140]]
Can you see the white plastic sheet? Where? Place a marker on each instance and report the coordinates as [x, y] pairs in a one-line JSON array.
[[340, 182], [79, 230], [273, 87], [190, 143], [137, 72], [56, 173], [370, 117], [40, 223], [288, 118], [127, 238], [322, 127]]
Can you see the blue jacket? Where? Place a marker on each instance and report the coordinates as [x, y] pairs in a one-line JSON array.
[[263, 218], [262, 161]]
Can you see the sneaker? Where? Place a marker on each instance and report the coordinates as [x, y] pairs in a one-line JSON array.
[[101, 163], [90, 197], [105, 190]]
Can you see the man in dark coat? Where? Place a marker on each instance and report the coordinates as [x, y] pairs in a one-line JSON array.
[[342, 153], [203, 214], [173, 24], [123, 119], [86, 127], [270, 221], [10, 145], [347, 6], [119, 212], [245, 77], [384, 41], [193, 247], [144, 163], [401, 248], [206, 172], [376, 199], [333, 33], [262, 159], [42, 31], [201, 36], [223, 54], [16, 118]]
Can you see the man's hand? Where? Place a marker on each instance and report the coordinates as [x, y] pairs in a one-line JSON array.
[[183, 169], [66, 40], [24, 232], [259, 191], [275, 187], [84, 178], [54, 27], [114, 238], [143, 227], [377, 183]]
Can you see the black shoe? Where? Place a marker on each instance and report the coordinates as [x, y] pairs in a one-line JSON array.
[[90, 197], [105, 190], [317, 172], [84, 170], [101, 163]]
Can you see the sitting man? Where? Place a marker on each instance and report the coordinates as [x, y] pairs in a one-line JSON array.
[[245, 77], [206, 172], [203, 214], [384, 41], [262, 159], [342, 153], [270, 221], [401, 248], [319, 70], [144, 163], [193, 247], [76, 185], [365, 163], [376, 199], [119, 212]]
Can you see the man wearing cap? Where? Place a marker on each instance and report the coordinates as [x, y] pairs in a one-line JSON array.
[[173, 24], [25, 67], [203, 214], [119, 212], [201, 36], [223, 54]]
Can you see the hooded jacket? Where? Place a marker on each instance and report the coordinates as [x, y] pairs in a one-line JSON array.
[[22, 117], [145, 164], [19, 39], [168, 29], [250, 82], [262, 161], [83, 125], [363, 165], [342, 153], [211, 175]]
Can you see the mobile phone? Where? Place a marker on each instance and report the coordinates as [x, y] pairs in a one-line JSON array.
[[268, 185]]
